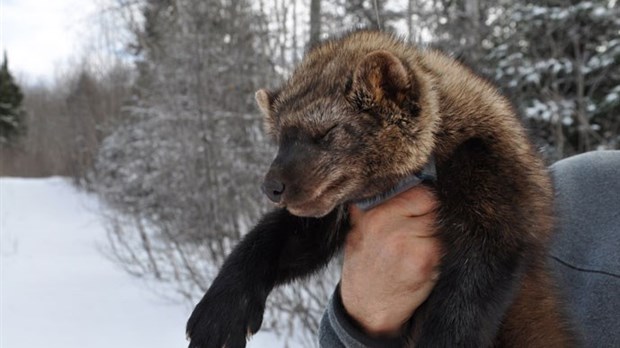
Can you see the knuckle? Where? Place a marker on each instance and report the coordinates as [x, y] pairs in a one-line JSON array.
[[424, 264]]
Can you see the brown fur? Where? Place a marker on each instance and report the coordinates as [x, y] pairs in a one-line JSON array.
[[427, 104]]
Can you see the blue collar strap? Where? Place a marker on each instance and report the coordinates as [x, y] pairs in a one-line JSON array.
[[428, 173]]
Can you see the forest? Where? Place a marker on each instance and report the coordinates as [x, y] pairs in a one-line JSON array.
[[167, 134]]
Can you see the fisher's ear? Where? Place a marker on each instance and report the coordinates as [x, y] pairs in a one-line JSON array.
[[379, 76], [264, 100]]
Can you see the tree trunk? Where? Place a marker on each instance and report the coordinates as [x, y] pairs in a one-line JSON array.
[[472, 14], [315, 22], [410, 20]]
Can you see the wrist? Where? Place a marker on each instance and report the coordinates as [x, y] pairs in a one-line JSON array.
[[375, 318], [386, 333], [372, 323], [378, 326]]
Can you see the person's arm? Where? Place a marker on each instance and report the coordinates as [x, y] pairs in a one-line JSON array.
[[389, 269], [585, 249]]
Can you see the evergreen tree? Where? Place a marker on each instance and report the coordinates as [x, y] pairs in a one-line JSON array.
[[340, 16], [560, 62], [12, 116]]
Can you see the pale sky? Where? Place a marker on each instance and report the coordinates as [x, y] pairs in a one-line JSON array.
[[41, 36]]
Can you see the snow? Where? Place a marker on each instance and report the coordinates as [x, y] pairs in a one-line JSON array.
[[611, 97], [599, 12], [539, 10], [59, 290]]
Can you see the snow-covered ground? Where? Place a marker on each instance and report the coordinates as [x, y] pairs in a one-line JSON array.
[[58, 290]]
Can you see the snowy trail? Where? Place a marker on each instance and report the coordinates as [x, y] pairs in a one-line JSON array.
[[58, 289]]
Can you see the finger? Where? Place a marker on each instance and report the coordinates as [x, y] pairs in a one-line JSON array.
[[424, 289], [417, 227], [417, 201], [419, 264], [424, 258]]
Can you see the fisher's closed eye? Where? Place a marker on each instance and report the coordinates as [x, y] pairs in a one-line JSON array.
[[325, 134], [329, 131]]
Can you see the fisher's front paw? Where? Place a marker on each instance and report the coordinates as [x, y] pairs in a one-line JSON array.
[[225, 318]]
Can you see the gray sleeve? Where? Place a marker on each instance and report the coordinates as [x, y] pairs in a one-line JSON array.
[[337, 329], [585, 254]]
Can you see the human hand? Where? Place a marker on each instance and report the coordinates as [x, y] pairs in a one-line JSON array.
[[390, 261]]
